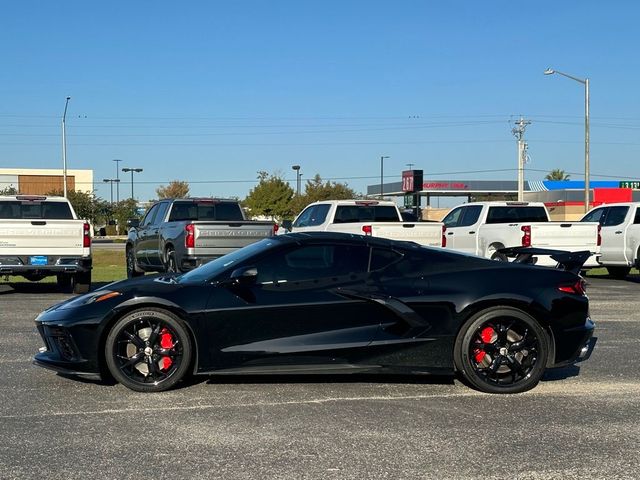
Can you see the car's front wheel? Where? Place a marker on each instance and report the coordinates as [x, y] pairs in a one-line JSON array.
[[501, 350], [148, 350]]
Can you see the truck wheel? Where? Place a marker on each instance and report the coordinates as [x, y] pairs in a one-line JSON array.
[[64, 282], [618, 272], [493, 254], [132, 270], [81, 282], [171, 266]]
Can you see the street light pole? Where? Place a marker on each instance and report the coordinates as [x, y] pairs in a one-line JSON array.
[[64, 148], [117, 160], [382, 173], [587, 179], [132, 170], [112, 181], [298, 175]]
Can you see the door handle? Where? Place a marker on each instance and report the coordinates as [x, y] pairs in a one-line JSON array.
[[450, 233], [471, 233], [618, 232]]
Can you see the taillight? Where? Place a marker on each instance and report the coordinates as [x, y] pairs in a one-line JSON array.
[[526, 235], [578, 288], [599, 235], [190, 235], [276, 227], [444, 238], [86, 236], [367, 230]]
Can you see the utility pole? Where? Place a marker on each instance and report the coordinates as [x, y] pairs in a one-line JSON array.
[[518, 132]]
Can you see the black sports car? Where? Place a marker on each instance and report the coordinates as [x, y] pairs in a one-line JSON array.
[[328, 303]]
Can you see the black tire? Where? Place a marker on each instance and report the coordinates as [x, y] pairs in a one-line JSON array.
[[81, 282], [132, 267], [501, 350], [170, 265], [65, 282], [137, 357], [618, 272]]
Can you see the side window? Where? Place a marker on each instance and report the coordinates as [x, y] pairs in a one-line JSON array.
[[314, 263], [471, 215], [162, 210], [636, 220], [453, 217], [149, 217], [596, 215], [313, 215], [615, 216], [381, 258]]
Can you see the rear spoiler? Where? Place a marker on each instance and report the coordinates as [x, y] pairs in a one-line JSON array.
[[570, 261]]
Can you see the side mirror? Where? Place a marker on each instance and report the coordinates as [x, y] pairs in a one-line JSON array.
[[133, 223], [242, 276], [288, 224]]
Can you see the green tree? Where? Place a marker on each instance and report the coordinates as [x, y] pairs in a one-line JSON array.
[[123, 211], [271, 197], [85, 204], [316, 190], [557, 174], [175, 189], [10, 190]]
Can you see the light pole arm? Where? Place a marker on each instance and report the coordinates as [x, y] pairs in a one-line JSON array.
[[582, 81]]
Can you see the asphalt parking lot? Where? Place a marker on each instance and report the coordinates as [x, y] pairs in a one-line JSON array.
[[575, 424]]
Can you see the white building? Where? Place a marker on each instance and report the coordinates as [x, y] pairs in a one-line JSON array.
[[32, 181]]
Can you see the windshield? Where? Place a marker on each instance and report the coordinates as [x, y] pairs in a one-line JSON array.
[[221, 264]]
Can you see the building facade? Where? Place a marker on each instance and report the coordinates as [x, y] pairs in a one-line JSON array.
[[27, 181]]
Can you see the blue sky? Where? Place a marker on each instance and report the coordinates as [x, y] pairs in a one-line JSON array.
[[212, 92]]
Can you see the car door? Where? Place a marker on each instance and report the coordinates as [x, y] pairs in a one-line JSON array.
[[459, 236], [466, 238], [305, 310], [613, 235], [152, 236], [142, 243]]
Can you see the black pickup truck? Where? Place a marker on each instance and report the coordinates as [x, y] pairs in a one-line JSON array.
[[177, 235]]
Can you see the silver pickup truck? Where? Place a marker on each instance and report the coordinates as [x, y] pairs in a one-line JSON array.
[[178, 235], [42, 236]]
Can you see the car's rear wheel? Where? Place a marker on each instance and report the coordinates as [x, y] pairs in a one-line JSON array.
[[81, 282], [501, 350], [618, 272], [64, 282], [148, 350], [493, 253], [132, 269]]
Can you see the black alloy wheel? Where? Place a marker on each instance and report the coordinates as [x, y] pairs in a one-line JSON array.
[[148, 350], [501, 350], [132, 272]]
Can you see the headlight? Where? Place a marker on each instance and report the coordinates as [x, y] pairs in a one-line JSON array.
[[93, 297]]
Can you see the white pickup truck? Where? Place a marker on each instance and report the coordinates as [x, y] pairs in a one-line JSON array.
[[483, 228], [40, 237], [366, 217], [620, 232]]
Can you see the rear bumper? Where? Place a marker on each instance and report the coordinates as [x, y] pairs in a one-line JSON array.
[[577, 344], [190, 262], [12, 265]]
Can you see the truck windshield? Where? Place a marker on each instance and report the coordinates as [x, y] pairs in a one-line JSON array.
[[223, 211], [516, 214], [17, 210], [215, 267]]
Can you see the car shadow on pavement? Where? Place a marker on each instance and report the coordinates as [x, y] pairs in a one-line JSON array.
[[28, 287]]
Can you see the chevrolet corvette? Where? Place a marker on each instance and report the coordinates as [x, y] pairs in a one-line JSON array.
[[329, 303]]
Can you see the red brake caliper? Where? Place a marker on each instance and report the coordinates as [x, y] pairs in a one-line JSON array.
[[487, 334], [166, 342]]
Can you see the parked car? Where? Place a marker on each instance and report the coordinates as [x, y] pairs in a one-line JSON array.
[[177, 235], [620, 230], [42, 236], [484, 228], [329, 302], [366, 217]]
